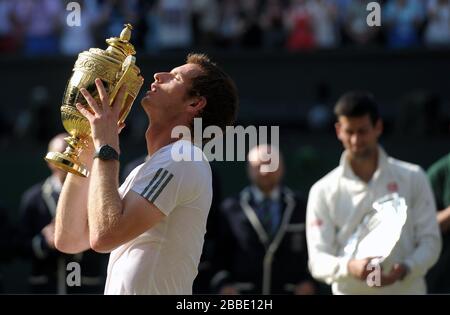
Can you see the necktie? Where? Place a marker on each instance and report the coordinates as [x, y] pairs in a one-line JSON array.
[[265, 215]]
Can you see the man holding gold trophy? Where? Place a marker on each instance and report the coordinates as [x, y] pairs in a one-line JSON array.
[[371, 225], [154, 224]]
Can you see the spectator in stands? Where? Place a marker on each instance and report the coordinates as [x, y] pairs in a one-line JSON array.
[[174, 24], [231, 24], [404, 19], [271, 20], [40, 23], [299, 24], [324, 22], [151, 21], [8, 34], [437, 32]]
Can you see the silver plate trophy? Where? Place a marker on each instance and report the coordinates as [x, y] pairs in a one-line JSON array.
[[379, 230]]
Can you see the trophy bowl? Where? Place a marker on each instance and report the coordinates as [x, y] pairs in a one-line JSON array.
[[114, 66]]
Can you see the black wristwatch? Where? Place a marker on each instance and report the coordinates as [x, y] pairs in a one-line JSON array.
[[106, 153]]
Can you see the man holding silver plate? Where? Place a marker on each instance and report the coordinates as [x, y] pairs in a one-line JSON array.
[[371, 226]]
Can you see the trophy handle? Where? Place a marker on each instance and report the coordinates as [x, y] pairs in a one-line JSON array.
[[126, 70]]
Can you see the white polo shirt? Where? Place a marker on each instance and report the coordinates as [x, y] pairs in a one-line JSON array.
[[164, 259], [338, 202]]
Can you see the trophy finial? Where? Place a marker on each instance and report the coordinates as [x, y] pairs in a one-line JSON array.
[[125, 35], [121, 44]]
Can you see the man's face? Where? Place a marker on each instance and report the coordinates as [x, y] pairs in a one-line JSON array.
[[358, 135], [167, 95], [259, 176]]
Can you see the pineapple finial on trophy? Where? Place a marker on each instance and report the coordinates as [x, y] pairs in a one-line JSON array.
[[126, 32], [120, 46]]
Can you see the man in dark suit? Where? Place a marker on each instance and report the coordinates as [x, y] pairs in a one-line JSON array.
[[261, 246], [49, 267]]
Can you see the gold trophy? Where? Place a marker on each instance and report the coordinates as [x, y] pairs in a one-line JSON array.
[[114, 66]]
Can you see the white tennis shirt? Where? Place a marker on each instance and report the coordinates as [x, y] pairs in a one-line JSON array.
[[164, 259]]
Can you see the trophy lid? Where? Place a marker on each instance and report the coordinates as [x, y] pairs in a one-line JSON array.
[[121, 45]]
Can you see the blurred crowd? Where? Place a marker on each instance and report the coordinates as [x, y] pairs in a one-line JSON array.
[[39, 27]]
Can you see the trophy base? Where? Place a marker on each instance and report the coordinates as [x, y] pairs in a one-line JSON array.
[[67, 164]]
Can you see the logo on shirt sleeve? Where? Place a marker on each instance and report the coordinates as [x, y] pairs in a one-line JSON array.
[[392, 187], [316, 223], [157, 184]]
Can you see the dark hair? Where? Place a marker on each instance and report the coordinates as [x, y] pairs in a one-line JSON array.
[[218, 89], [357, 104]]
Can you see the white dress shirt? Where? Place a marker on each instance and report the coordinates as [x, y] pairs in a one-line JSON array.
[[338, 202]]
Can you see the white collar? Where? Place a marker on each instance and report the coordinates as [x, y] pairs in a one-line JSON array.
[[348, 171], [166, 147]]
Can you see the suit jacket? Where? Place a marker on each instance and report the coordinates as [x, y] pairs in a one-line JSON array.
[[248, 258], [49, 266]]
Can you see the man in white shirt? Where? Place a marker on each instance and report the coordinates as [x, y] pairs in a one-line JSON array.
[[154, 225], [338, 203]]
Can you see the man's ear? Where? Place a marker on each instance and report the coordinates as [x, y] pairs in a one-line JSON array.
[[379, 126], [337, 128], [197, 104]]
